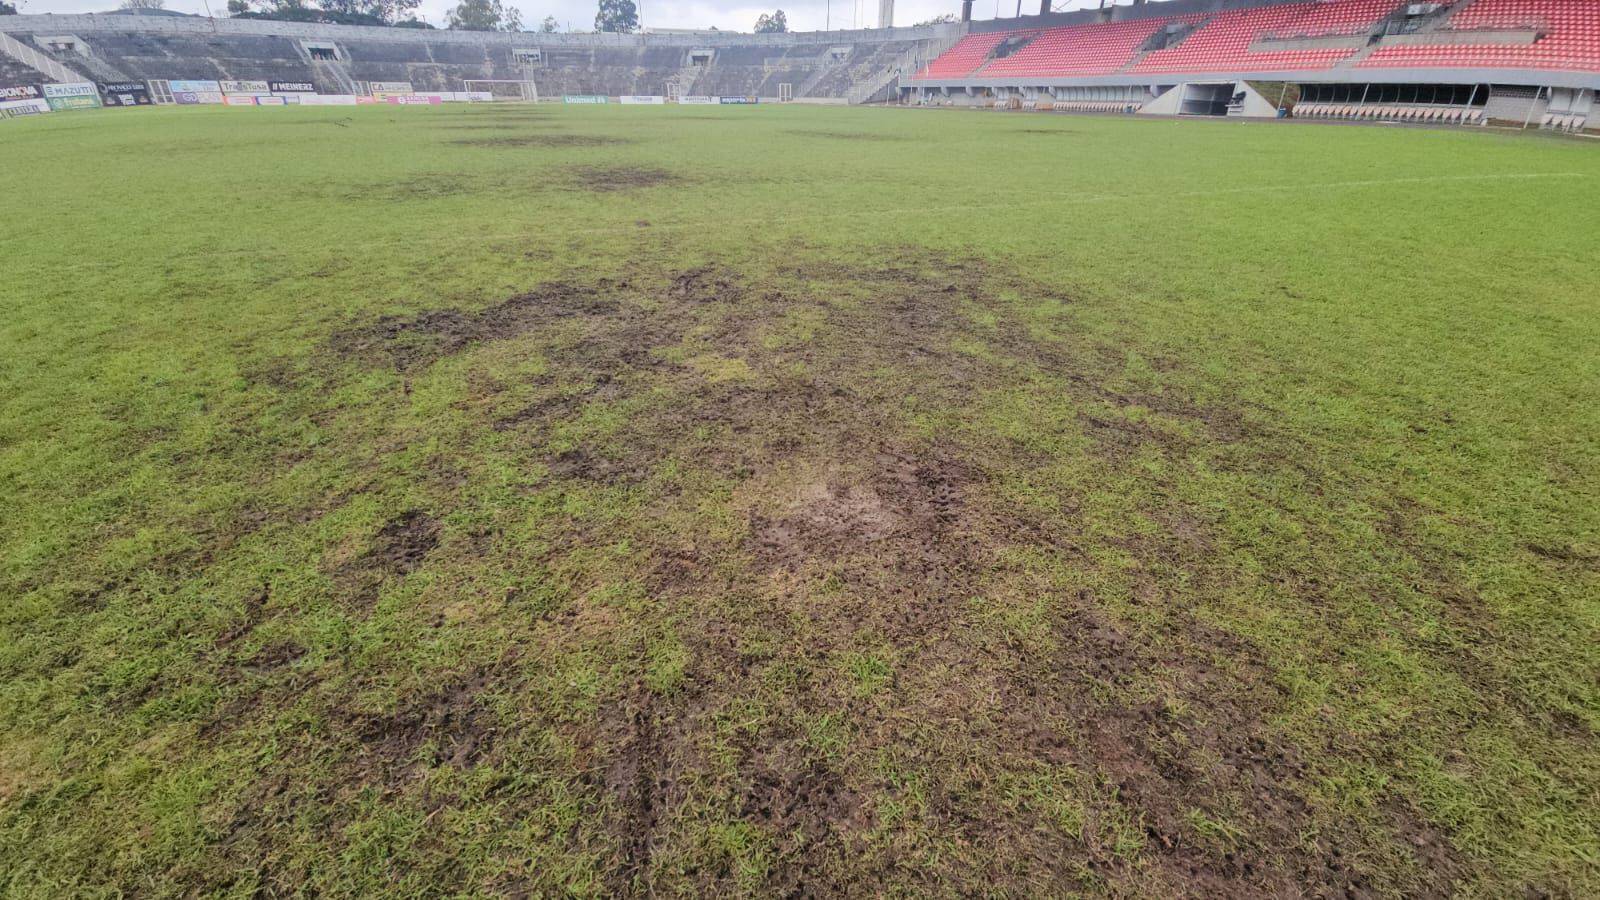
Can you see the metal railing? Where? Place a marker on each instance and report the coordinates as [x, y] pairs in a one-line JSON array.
[[909, 63], [36, 60]]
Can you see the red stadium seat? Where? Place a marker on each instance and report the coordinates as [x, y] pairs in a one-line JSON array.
[[1569, 38], [1223, 43], [1079, 50], [966, 57]]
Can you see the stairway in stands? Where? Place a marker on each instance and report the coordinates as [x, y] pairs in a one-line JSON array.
[[37, 60], [101, 69], [333, 72]]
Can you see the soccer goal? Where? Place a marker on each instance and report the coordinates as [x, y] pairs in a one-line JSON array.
[[504, 88]]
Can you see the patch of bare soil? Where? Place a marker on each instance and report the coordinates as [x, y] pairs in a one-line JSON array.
[[634, 780], [412, 342], [452, 723], [419, 187], [405, 542], [607, 179], [846, 528], [399, 548]]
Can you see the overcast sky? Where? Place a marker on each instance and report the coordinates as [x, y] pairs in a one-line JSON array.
[[732, 15]]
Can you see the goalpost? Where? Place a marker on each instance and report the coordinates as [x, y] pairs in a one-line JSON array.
[[504, 88]]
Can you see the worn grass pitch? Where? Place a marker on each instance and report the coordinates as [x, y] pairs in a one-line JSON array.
[[778, 500]]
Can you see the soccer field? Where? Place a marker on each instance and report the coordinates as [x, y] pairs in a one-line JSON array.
[[766, 500]]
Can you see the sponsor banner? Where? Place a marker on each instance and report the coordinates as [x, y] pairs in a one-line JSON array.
[[478, 96], [291, 87], [194, 87], [269, 101], [698, 101], [90, 102], [191, 98], [414, 100], [124, 93], [728, 101], [390, 87], [584, 98], [245, 87], [366, 101], [643, 100], [10, 109], [330, 99], [74, 89], [20, 92], [239, 99]]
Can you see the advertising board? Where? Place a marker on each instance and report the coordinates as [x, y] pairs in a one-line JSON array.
[[75, 102], [21, 92], [11, 109], [245, 87], [124, 93]]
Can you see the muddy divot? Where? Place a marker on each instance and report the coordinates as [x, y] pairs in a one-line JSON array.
[[404, 543], [904, 508], [415, 341], [611, 179], [452, 721]]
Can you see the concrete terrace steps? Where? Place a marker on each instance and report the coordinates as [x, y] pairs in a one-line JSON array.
[[37, 60]]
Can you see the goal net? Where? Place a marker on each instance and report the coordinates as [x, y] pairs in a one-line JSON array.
[[504, 88]]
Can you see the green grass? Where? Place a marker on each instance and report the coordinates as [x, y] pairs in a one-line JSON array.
[[872, 501]]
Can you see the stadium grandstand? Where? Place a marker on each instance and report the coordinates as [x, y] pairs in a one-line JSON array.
[[821, 66], [1448, 62], [1469, 61]]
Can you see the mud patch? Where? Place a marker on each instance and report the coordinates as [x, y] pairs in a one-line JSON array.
[[634, 780], [274, 656], [452, 723], [901, 510], [413, 342], [869, 525], [418, 187], [609, 179], [404, 543]]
